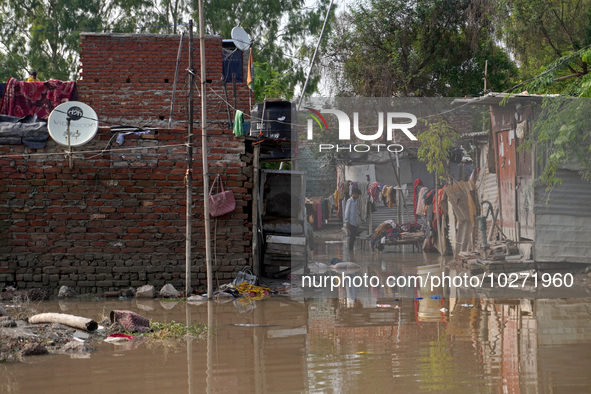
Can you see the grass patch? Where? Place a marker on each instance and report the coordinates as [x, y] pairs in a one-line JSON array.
[[174, 330]]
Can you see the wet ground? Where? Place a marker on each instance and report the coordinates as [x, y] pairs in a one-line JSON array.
[[349, 340]]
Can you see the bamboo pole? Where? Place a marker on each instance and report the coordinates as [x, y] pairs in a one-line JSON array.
[[204, 152], [189, 177]]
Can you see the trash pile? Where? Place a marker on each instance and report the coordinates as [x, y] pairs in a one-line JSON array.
[[59, 333], [27, 333]]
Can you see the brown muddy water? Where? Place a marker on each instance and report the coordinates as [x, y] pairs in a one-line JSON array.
[[376, 341]]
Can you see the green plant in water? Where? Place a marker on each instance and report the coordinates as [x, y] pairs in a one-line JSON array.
[[174, 330]]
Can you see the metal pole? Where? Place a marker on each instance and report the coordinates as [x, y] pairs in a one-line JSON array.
[[314, 57], [189, 178], [204, 152], [176, 74], [189, 349]]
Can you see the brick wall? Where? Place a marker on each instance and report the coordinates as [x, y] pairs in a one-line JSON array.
[[117, 218]]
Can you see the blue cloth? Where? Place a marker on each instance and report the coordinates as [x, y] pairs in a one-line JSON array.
[[351, 212]]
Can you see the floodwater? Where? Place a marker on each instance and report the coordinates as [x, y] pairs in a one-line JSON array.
[[372, 341]]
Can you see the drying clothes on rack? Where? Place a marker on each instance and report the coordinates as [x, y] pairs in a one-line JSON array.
[[384, 195], [373, 191], [420, 208]]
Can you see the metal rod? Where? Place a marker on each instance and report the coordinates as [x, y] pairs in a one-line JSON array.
[[314, 57], [176, 74], [204, 152], [70, 162], [189, 177]]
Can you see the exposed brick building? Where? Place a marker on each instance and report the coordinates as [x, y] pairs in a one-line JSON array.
[[117, 218]]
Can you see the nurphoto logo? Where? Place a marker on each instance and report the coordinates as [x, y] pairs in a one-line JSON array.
[[402, 121]]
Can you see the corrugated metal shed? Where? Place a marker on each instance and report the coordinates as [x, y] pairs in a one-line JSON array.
[[570, 198], [563, 221], [560, 222]]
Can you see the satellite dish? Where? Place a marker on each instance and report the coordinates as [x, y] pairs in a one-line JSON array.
[[241, 38], [72, 123]]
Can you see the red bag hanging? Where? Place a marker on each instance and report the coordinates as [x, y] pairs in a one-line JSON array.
[[220, 203]]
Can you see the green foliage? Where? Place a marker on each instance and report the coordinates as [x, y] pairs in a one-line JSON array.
[[269, 83], [44, 34], [551, 40], [276, 165], [562, 137], [541, 33], [404, 48], [436, 143], [280, 31], [174, 330]]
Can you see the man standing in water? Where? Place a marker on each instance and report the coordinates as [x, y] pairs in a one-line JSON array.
[[351, 220]]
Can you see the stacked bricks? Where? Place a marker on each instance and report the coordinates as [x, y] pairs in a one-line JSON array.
[[118, 217]]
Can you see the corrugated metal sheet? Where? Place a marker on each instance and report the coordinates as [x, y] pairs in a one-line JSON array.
[[487, 188], [525, 211], [563, 221], [321, 179], [562, 238], [573, 197], [486, 184]]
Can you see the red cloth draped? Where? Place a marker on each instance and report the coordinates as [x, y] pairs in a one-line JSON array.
[[35, 98]]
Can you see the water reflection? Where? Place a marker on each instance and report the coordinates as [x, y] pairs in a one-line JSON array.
[[350, 339], [414, 344]]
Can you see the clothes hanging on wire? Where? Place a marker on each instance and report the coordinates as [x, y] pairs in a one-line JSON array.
[[238, 123]]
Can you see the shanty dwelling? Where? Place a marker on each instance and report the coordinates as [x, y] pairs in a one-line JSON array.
[[114, 215], [548, 226]]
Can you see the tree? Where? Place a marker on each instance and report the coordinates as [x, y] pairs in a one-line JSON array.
[[436, 143], [45, 34], [552, 42], [279, 30], [268, 82], [408, 48], [544, 34]]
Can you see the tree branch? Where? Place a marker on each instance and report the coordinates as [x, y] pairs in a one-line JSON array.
[[561, 21], [556, 50], [579, 74]]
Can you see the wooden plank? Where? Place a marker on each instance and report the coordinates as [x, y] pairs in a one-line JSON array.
[[256, 269]]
